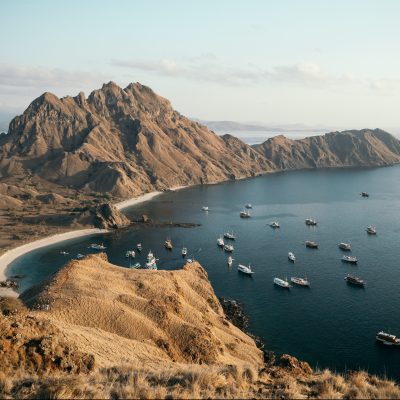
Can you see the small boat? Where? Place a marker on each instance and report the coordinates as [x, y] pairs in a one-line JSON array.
[[229, 248], [274, 224], [139, 247], [300, 281], [168, 244], [204, 208], [220, 242], [387, 339], [245, 269], [230, 261], [310, 244], [79, 256], [291, 257], [245, 214], [130, 254], [184, 252], [229, 235], [364, 194], [189, 260], [248, 205], [151, 261], [135, 266], [311, 222], [96, 246], [344, 246], [282, 283], [354, 280], [349, 259], [64, 253], [371, 230]]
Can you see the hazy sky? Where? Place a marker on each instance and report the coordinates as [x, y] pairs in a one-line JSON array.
[[334, 63]]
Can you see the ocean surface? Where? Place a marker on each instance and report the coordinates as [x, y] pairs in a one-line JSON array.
[[331, 324]]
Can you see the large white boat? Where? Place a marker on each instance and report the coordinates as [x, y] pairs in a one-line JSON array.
[[168, 244], [229, 248], [245, 214], [274, 224], [291, 257], [151, 261], [230, 261], [349, 259], [300, 281], [310, 244], [354, 280], [245, 269], [220, 242], [371, 230], [311, 222], [229, 235], [282, 283], [96, 246], [388, 339], [344, 246]]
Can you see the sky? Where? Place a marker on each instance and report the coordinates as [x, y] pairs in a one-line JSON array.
[[312, 62]]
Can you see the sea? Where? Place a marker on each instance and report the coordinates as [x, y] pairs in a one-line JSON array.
[[331, 324]]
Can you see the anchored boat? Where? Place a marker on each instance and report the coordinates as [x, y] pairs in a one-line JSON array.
[[248, 205], [354, 280], [184, 252], [300, 281], [220, 242], [229, 235], [168, 244], [282, 283], [245, 269], [130, 254], [204, 208], [245, 214], [371, 230], [344, 246], [311, 222], [387, 339], [96, 246], [229, 248], [151, 261], [364, 194], [291, 257], [139, 247], [230, 261], [349, 259], [310, 244], [274, 224]]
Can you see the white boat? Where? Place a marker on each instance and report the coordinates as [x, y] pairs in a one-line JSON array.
[[184, 251], [139, 247], [189, 260], [350, 259], [344, 246], [96, 246], [220, 242], [230, 261], [291, 256], [282, 283], [168, 244], [274, 224], [135, 266], [204, 208], [387, 339], [79, 256], [151, 261], [310, 244], [371, 230], [245, 269], [229, 235], [64, 253], [248, 205], [229, 248], [311, 222], [245, 214], [300, 281], [130, 254]]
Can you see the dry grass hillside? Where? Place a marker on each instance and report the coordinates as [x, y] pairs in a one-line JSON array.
[[96, 330]]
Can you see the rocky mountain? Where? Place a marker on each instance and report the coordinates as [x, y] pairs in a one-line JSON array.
[[363, 148], [124, 141]]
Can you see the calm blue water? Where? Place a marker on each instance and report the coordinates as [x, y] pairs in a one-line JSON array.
[[329, 325]]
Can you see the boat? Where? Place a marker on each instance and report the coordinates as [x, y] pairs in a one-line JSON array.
[[139, 247], [151, 261], [364, 194], [310, 244], [349, 259], [64, 253], [300, 281], [220, 242], [168, 244], [96, 246], [282, 283], [371, 230], [230, 261], [229, 248], [135, 266], [311, 222], [130, 254], [387, 339], [274, 224], [245, 269], [79, 256], [354, 280], [229, 235], [291, 256], [204, 208], [189, 260], [184, 251], [245, 214], [248, 205], [344, 246]]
